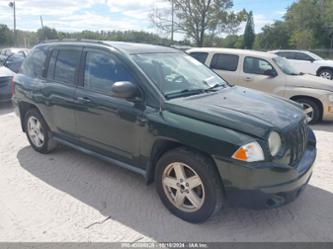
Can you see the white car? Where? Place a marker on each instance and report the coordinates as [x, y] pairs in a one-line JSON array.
[[273, 74], [308, 62]]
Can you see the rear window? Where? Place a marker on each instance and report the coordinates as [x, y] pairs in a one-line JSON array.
[[200, 56], [227, 62], [34, 64]]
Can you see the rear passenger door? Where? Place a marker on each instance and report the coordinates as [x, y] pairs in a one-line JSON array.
[[105, 123], [226, 65], [61, 77]]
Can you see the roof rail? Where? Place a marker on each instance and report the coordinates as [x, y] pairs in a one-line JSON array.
[[72, 40]]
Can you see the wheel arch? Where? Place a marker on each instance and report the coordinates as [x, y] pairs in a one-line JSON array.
[[24, 107], [320, 104], [323, 68], [162, 146]]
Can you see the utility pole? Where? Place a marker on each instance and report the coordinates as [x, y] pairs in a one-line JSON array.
[[172, 19], [13, 6]]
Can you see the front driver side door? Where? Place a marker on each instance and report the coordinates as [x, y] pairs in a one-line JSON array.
[[253, 75], [107, 124]]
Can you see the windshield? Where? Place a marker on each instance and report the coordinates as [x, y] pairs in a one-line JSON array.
[[285, 66], [178, 74]]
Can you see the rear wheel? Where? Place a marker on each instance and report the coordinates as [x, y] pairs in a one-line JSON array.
[[37, 132], [326, 73], [311, 109], [188, 185]]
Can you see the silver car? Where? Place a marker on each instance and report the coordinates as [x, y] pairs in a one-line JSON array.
[[273, 74]]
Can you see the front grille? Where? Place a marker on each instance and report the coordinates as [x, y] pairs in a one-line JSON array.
[[298, 139]]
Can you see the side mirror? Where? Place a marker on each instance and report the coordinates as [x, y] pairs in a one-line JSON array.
[[124, 89], [271, 73]]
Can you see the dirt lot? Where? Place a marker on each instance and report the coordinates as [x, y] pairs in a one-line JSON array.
[[68, 196]]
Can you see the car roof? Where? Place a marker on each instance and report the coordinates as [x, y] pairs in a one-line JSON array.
[[233, 51], [126, 47]]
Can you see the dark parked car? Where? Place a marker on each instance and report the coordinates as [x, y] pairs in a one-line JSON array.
[[6, 77], [159, 112], [14, 61], [6, 52]]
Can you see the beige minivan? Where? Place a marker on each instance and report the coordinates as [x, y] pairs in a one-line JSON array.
[[273, 74]]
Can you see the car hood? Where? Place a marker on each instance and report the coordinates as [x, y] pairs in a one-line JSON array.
[[310, 81], [5, 72], [248, 111]]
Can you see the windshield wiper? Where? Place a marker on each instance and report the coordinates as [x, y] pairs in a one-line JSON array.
[[185, 92]]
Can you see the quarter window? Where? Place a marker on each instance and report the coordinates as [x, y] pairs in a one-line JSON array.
[[200, 56], [33, 65], [102, 70], [227, 62], [256, 66], [65, 65]]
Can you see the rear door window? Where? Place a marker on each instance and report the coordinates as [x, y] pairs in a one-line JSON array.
[[200, 56], [227, 62], [66, 63]]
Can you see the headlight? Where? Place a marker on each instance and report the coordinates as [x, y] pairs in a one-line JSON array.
[[330, 98], [251, 152], [274, 143]]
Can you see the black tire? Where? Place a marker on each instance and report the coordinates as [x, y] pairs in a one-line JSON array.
[[49, 144], [206, 170], [317, 114], [326, 73]]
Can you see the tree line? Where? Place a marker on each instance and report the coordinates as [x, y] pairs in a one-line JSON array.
[[307, 24], [31, 38]]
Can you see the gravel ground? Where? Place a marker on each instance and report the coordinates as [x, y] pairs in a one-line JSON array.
[[68, 196]]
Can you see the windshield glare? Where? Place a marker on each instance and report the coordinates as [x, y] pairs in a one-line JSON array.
[[176, 73], [285, 66]]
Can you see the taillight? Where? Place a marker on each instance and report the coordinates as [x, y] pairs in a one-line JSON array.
[[13, 86]]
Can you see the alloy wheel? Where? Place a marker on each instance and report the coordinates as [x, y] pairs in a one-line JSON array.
[[35, 132], [183, 187], [309, 111], [326, 75]]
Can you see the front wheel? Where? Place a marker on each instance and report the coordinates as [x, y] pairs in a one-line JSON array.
[[311, 109], [326, 74], [188, 185]]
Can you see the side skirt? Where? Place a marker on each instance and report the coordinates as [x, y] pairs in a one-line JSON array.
[[102, 157]]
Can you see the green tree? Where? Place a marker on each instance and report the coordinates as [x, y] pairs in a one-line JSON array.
[[249, 34], [303, 39], [274, 36], [200, 18], [6, 35], [47, 33]]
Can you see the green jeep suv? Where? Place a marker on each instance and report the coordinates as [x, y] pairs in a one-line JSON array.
[[162, 114]]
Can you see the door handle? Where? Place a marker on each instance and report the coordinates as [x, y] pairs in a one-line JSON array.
[[248, 79], [83, 100]]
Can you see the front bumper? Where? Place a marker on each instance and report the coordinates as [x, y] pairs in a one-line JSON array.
[[267, 185]]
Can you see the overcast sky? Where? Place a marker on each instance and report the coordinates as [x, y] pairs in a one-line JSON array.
[[77, 15]]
